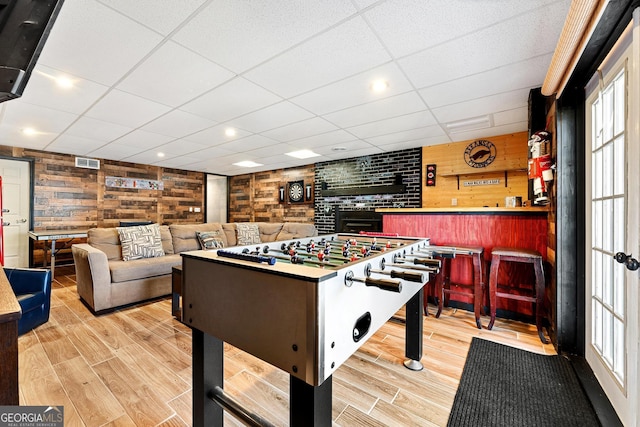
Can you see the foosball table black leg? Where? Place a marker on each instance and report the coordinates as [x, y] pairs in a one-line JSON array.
[[413, 332], [309, 405], [207, 374]]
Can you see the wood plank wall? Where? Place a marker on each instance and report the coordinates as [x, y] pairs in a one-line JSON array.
[[67, 197], [255, 196], [452, 172]]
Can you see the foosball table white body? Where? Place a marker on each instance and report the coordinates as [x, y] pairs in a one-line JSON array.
[[304, 319]]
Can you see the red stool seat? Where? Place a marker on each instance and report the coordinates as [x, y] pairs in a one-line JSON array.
[[500, 254], [444, 286]]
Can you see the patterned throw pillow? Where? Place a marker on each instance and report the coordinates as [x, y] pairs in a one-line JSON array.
[[248, 233], [210, 239], [142, 241]]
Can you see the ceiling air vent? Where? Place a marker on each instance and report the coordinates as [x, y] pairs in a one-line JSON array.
[[83, 162]]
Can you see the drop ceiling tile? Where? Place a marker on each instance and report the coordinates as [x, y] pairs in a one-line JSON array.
[[232, 99], [249, 143], [526, 74], [468, 55], [173, 75], [274, 116], [487, 133], [303, 129], [354, 90], [377, 110], [163, 16], [178, 124], [17, 115], [181, 162], [326, 139], [276, 149], [395, 124], [77, 145], [181, 147], [216, 135], [43, 90], [407, 26], [346, 150], [145, 158], [407, 135], [241, 34], [143, 140], [125, 109], [481, 106], [92, 41], [86, 127], [511, 116], [317, 62], [113, 151]]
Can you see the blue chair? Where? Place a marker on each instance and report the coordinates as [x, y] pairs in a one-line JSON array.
[[32, 287]]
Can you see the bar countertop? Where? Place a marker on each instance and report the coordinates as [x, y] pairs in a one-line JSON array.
[[454, 210]]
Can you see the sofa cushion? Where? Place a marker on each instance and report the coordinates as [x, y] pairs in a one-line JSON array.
[[142, 241], [210, 239], [294, 230], [107, 240], [248, 233], [167, 242], [229, 229], [269, 230], [123, 271], [184, 235]]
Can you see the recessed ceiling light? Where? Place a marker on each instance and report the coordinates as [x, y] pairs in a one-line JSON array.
[[248, 164], [379, 85], [160, 154], [302, 154], [29, 131], [64, 82], [230, 132], [339, 148]]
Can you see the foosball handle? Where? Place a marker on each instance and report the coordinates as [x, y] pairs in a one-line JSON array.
[[385, 285], [246, 257], [408, 276], [427, 261]]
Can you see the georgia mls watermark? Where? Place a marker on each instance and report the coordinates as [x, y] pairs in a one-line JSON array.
[[31, 416]]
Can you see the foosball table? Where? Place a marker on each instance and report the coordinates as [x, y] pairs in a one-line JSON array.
[[304, 306]]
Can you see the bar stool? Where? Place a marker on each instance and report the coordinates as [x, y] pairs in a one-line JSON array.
[[499, 254], [444, 286]]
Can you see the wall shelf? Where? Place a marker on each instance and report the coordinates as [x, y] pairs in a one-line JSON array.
[[365, 191]]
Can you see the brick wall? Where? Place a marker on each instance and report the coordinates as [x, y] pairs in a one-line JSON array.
[[366, 171]]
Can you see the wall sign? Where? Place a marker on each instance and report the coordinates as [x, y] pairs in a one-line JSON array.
[[480, 153], [431, 175], [477, 182], [141, 184]]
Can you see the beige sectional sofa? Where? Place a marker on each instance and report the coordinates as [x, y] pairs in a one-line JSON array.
[[106, 281]]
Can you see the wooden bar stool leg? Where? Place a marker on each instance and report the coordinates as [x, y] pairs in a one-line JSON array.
[[477, 287], [441, 279], [540, 287], [493, 287]]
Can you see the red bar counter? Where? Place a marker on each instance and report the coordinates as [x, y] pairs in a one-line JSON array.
[[524, 227]]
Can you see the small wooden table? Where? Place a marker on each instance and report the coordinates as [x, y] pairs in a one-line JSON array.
[[51, 236], [176, 291]]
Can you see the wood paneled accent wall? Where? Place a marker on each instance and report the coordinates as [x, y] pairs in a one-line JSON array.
[[255, 196], [509, 167], [67, 197]]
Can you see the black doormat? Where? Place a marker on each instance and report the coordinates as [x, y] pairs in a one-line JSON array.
[[506, 386]]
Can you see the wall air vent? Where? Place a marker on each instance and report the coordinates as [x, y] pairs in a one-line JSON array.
[[83, 162]]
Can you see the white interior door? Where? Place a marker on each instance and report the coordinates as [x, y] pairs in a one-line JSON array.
[[613, 209], [16, 207]]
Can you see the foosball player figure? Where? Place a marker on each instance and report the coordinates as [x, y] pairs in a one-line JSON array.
[[365, 251]]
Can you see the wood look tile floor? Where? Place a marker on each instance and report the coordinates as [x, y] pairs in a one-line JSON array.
[[132, 367]]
